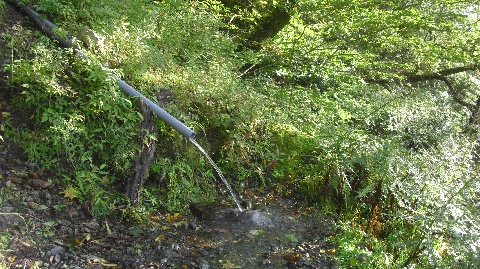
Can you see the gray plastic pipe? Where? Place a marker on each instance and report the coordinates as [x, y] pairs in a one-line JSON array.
[[162, 114]]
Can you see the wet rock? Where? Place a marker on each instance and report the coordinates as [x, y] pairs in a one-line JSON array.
[[230, 216], [210, 211], [256, 218]]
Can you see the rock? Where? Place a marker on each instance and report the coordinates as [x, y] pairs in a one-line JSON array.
[[56, 251], [41, 183], [90, 38], [219, 212], [202, 263], [210, 211], [192, 225], [57, 258]]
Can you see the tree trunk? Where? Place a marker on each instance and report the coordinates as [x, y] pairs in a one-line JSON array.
[[270, 25], [143, 161]]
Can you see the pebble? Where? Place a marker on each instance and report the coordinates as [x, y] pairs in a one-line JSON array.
[[202, 263], [57, 250]]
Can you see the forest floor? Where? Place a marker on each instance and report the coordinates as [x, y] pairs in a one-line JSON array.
[[41, 228]]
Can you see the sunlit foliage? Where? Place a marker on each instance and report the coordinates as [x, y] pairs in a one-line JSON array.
[[369, 109]]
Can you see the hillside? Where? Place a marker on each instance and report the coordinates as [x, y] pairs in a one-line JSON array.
[[347, 129]]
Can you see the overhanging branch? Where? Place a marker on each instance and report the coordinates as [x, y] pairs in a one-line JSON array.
[[440, 76]]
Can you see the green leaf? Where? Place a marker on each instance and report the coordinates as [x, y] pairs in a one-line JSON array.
[[291, 237], [256, 232], [135, 231]]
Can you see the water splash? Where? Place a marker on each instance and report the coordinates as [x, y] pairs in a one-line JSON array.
[[219, 172]]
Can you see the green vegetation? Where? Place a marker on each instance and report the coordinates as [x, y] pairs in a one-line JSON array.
[[369, 109]]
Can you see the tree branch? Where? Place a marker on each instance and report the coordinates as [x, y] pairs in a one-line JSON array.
[[456, 70], [441, 76], [455, 96]]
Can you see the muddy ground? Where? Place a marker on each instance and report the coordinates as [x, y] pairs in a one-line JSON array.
[[41, 228]]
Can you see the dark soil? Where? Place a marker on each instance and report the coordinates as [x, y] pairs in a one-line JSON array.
[[41, 228]]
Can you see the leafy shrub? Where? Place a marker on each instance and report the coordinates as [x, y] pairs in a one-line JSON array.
[[82, 120]]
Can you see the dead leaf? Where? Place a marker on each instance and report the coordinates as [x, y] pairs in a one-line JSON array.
[[11, 259], [25, 244], [250, 193], [191, 238], [160, 238], [154, 217], [175, 217], [76, 241], [179, 223], [71, 193], [107, 227], [15, 180], [109, 265], [292, 257], [4, 115], [33, 205]]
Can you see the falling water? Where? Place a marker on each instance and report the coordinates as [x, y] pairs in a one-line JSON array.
[[219, 172]]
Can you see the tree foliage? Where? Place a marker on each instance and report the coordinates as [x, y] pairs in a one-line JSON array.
[[370, 109]]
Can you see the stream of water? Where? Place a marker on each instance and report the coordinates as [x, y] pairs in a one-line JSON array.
[[219, 172]]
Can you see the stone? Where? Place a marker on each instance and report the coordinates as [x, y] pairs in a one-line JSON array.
[[57, 250]]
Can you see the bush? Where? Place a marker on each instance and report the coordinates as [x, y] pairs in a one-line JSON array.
[[82, 120]]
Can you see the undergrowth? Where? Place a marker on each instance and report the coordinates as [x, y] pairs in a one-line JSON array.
[[395, 164]]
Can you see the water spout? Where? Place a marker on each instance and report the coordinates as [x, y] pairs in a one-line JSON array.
[[219, 172]]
